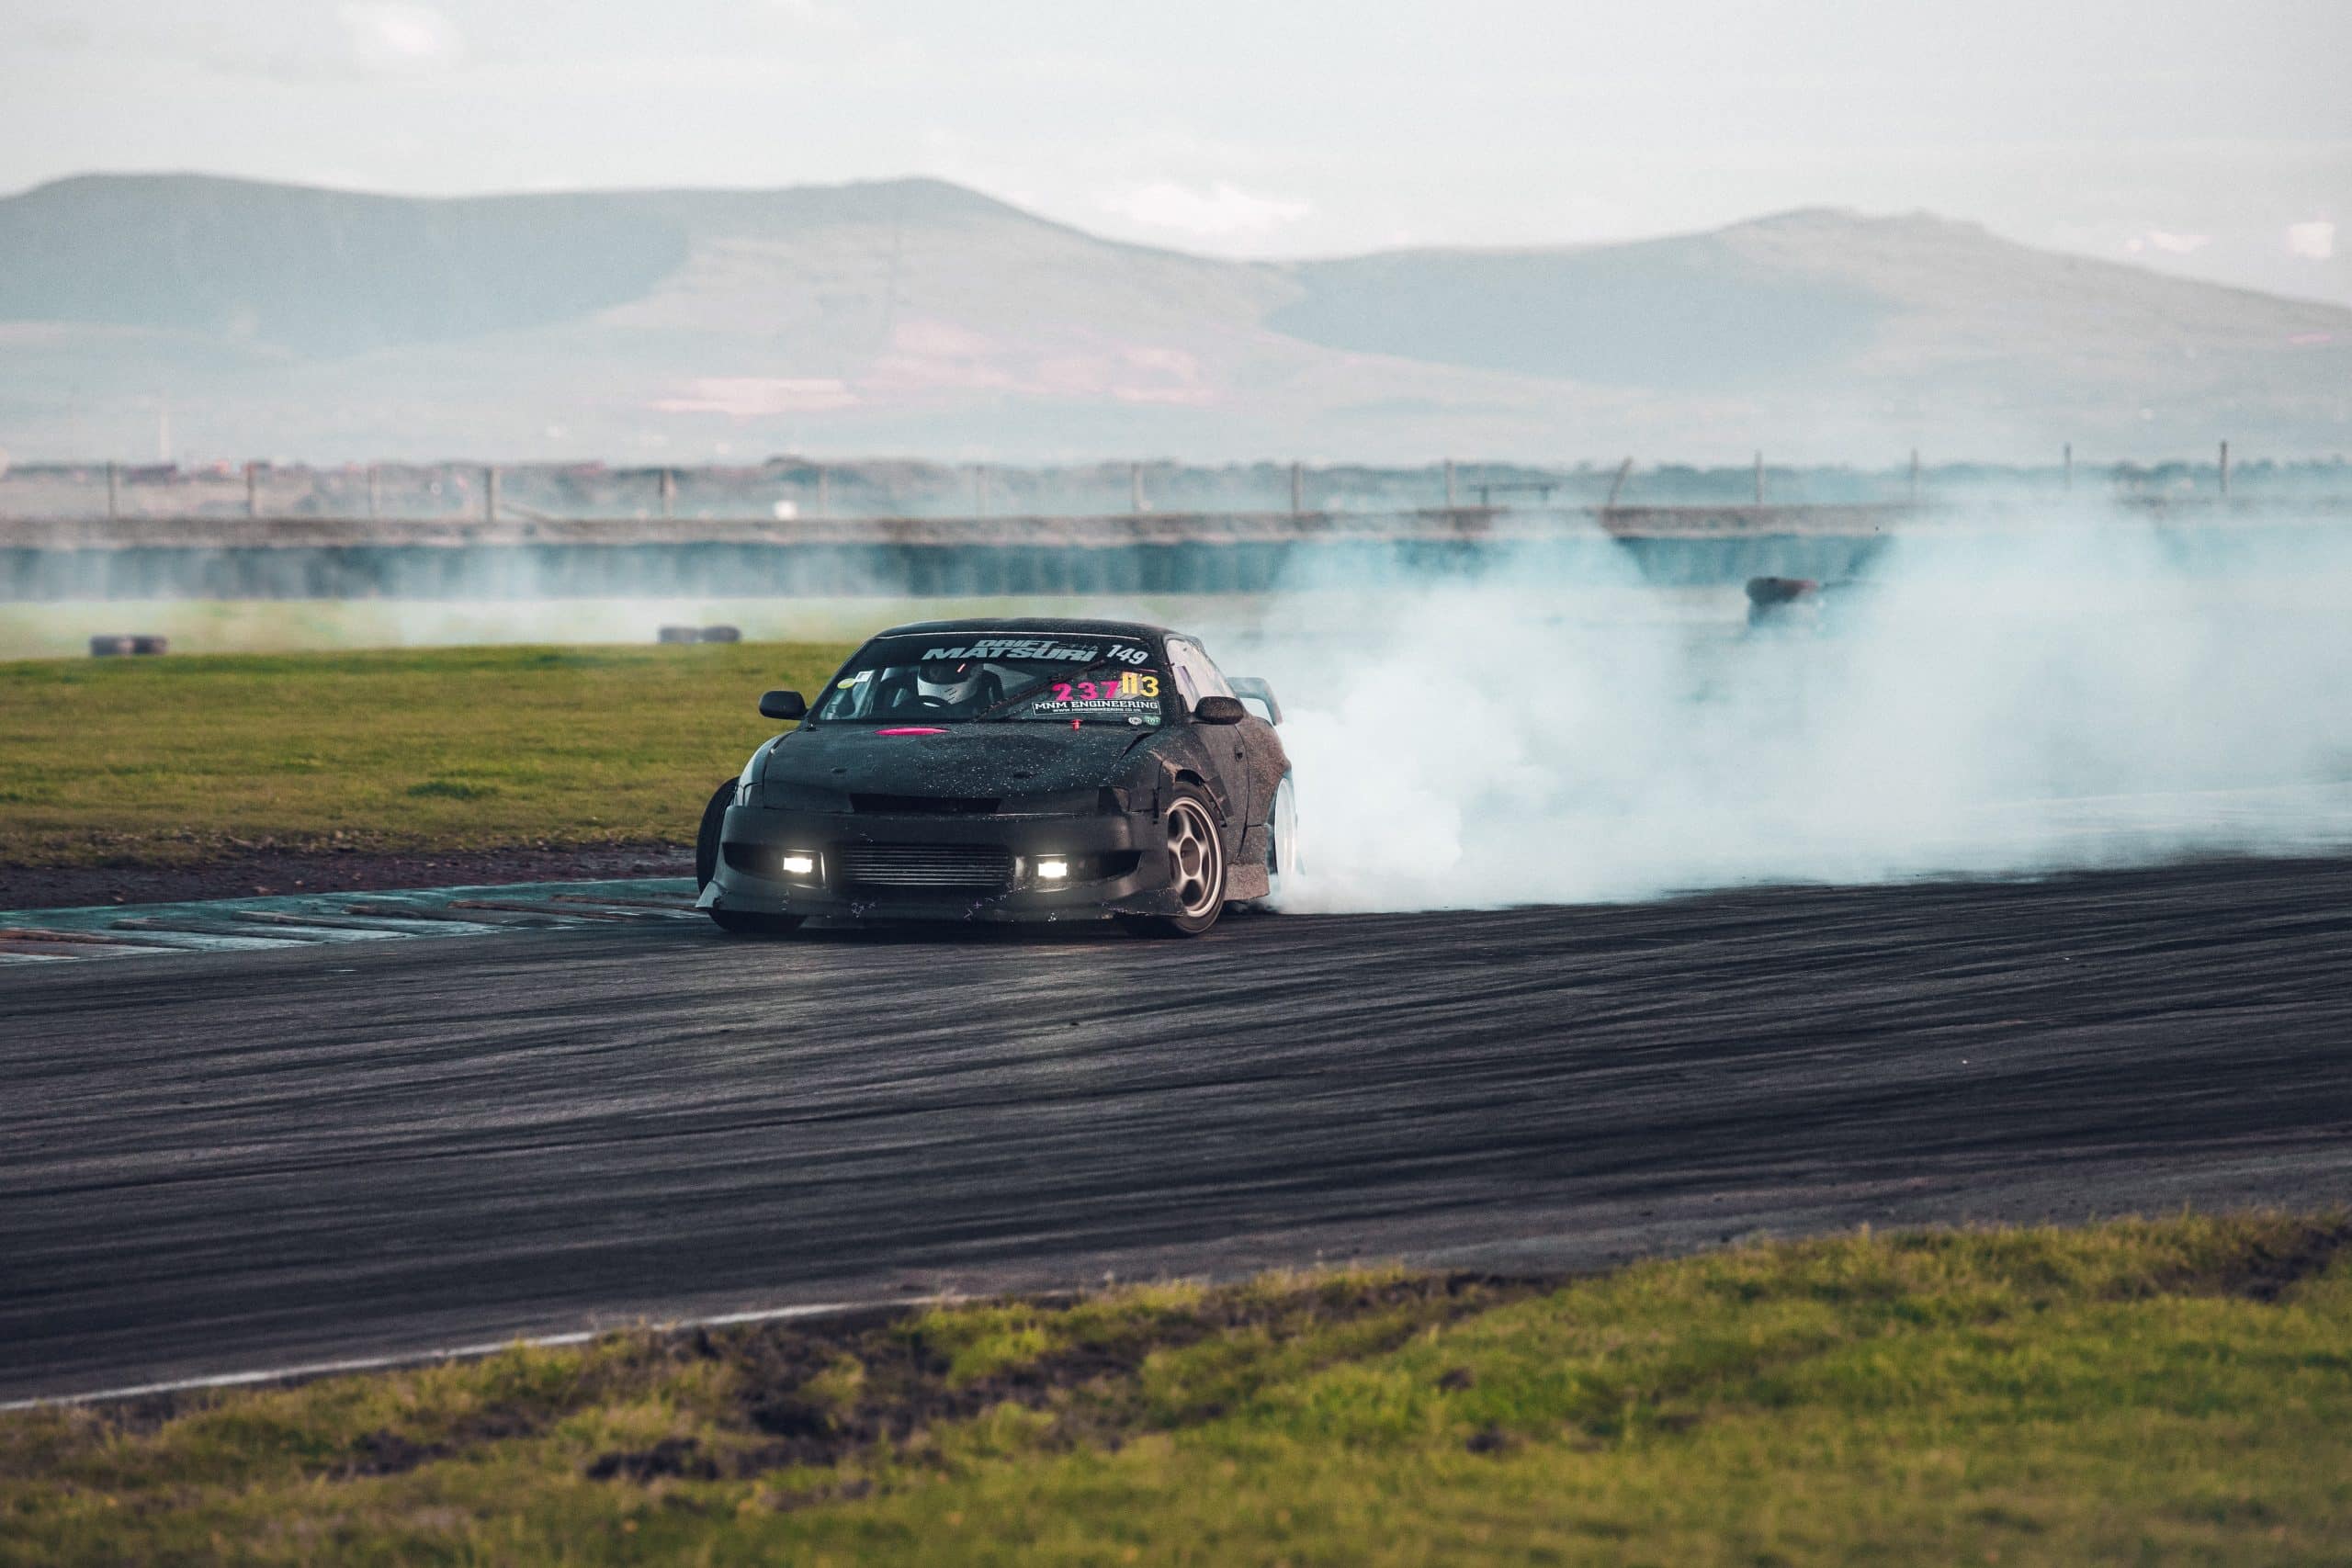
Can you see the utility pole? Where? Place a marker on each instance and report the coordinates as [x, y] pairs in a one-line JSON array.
[[1449, 484], [114, 502], [2225, 470], [489, 493], [1297, 487], [1759, 478], [1135, 486]]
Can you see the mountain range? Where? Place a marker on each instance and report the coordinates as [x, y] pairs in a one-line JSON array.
[[230, 317]]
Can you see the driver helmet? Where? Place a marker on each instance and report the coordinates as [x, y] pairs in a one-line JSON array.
[[954, 682]]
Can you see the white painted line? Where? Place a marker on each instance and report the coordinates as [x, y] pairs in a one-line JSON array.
[[465, 1352]]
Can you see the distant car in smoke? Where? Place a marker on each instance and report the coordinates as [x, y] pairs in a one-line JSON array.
[[1788, 604], [1008, 770]]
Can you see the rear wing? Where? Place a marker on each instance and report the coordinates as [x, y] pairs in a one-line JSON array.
[[1257, 696]]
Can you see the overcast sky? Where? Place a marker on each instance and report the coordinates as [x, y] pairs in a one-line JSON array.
[[2206, 137]]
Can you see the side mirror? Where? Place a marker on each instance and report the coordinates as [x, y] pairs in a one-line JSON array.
[[1219, 710], [782, 705]]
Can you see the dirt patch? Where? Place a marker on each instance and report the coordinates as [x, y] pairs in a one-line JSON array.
[[254, 873], [903, 1386], [2269, 1272], [387, 1453], [2264, 1268], [1491, 1440], [679, 1457]]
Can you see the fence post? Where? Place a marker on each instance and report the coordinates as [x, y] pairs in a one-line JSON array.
[[1135, 486], [669, 492]]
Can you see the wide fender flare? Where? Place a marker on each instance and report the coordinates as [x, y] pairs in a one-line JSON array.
[[1182, 765]]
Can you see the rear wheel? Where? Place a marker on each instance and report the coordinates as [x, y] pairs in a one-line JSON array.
[[1281, 839], [1195, 870]]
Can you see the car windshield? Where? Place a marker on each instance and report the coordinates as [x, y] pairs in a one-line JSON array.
[[988, 677]]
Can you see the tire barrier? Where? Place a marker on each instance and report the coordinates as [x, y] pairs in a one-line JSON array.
[[118, 645]]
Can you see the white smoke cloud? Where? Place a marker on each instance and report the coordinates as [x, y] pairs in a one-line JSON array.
[[2004, 701]]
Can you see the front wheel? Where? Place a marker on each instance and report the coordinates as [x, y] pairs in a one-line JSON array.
[[1195, 870], [714, 820]]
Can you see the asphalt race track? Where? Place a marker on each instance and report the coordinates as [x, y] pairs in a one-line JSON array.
[[231, 1161]]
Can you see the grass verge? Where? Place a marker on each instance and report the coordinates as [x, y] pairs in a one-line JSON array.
[[2154, 1391], [178, 760]]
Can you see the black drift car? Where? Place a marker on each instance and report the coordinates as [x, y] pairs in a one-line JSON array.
[[1008, 770]]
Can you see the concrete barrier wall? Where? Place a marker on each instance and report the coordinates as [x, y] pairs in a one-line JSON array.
[[495, 571], [336, 558]]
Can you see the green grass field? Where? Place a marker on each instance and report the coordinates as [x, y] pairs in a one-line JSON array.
[[177, 759], [2173, 1392]]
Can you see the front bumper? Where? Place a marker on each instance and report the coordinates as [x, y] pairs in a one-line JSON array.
[[1117, 864]]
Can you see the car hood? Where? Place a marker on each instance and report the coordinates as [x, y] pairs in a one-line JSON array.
[[971, 759]]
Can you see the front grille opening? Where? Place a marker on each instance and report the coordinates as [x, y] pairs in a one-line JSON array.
[[980, 867], [924, 805]]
